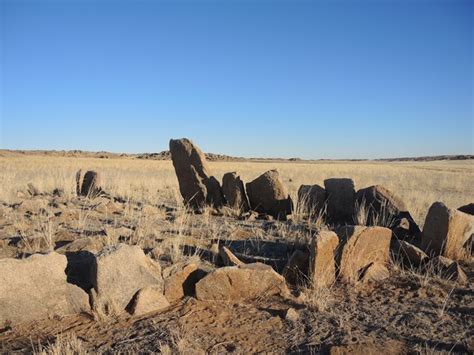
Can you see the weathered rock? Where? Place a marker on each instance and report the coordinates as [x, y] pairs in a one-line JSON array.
[[180, 280], [447, 269], [322, 268], [296, 269], [292, 315], [267, 194], [228, 258], [373, 272], [405, 228], [311, 200], [381, 205], [88, 185], [469, 209], [148, 299], [118, 272], [408, 254], [446, 231], [196, 184], [359, 247], [36, 288], [241, 283], [340, 200], [234, 192]]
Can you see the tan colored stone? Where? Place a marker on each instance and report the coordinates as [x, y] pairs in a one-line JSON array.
[[36, 288], [359, 247], [374, 272], [180, 281], [148, 299], [322, 268], [118, 272], [241, 283], [228, 258], [446, 231]]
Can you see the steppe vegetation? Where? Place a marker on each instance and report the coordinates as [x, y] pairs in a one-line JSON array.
[[417, 309]]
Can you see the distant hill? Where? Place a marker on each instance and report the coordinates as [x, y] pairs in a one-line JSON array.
[[165, 155]]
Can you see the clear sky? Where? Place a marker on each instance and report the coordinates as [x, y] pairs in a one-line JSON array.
[[309, 79]]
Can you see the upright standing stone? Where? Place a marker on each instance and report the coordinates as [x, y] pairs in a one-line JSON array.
[[196, 184], [340, 200], [234, 192], [446, 231], [322, 268], [88, 184], [267, 194]]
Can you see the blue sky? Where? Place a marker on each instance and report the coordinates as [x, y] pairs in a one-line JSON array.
[[310, 79]]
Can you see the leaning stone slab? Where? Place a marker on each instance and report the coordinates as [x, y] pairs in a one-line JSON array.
[[36, 288], [196, 184]]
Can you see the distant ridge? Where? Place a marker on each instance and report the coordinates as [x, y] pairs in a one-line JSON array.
[[165, 155]]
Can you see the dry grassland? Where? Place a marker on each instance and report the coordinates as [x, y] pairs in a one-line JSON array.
[[419, 184]]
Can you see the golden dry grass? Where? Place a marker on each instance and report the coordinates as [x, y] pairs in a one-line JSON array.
[[419, 184]]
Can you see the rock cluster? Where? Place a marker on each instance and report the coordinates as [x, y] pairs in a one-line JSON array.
[[266, 194]]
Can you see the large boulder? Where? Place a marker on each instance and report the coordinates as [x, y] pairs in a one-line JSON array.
[[240, 283], [469, 208], [234, 192], [359, 248], [88, 184], [322, 268], [118, 272], [311, 200], [340, 200], [267, 194], [446, 231], [36, 288], [196, 184]]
